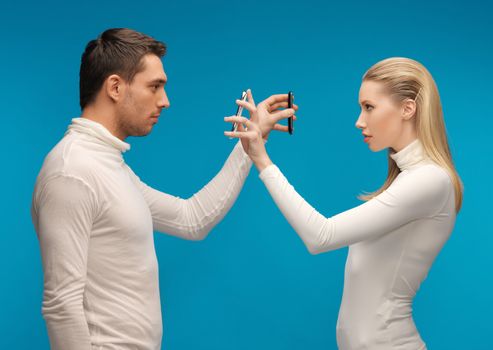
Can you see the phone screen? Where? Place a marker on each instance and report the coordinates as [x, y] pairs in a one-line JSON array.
[[290, 105], [239, 110]]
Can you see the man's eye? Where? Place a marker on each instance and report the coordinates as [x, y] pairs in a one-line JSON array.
[[155, 87]]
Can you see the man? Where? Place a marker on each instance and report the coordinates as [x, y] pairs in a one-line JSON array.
[[95, 218]]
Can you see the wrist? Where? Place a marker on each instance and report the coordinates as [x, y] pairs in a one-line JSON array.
[[262, 162]]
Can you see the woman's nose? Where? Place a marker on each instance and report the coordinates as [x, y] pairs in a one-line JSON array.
[[360, 123]]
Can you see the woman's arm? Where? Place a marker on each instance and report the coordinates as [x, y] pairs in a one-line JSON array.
[[420, 194]]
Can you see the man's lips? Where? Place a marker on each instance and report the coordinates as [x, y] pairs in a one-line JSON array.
[[155, 118], [156, 115]]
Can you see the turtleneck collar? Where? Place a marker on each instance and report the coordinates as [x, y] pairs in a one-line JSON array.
[[98, 131], [410, 155]]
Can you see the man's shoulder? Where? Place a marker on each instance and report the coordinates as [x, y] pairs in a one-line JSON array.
[[69, 157]]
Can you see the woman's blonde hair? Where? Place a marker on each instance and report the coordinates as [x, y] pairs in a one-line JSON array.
[[404, 78]]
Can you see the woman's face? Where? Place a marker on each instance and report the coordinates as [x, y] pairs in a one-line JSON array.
[[381, 118]]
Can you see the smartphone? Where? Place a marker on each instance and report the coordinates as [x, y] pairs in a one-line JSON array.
[[239, 111], [290, 105]]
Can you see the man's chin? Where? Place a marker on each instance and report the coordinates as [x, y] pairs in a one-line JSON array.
[[143, 132]]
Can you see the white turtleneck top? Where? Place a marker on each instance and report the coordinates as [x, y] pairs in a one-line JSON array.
[[95, 219], [393, 240]]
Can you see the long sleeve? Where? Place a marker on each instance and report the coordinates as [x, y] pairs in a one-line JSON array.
[[63, 211], [193, 218], [420, 194]]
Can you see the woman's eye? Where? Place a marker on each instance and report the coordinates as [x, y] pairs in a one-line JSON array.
[[368, 107]]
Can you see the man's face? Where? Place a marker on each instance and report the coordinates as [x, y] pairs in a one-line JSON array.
[[144, 99]]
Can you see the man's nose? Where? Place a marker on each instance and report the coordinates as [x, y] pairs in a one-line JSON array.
[[164, 101]]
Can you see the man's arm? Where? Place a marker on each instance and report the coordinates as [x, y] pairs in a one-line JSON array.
[[63, 211], [193, 218]]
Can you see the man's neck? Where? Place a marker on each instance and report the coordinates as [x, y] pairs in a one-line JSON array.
[[104, 117]]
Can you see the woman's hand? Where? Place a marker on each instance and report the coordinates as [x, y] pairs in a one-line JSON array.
[[269, 112], [251, 139], [263, 119]]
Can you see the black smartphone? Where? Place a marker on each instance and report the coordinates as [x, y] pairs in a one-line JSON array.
[[239, 110], [290, 105]]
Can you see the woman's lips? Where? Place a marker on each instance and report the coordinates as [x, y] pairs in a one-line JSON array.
[[367, 139]]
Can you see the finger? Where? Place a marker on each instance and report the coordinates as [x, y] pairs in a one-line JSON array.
[[276, 98], [236, 119], [249, 135], [278, 105], [241, 127], [236, 134], [282, 104], [280, 127], [241, 120], [285, 113], [247, 105], [252, 109], [250, 97]]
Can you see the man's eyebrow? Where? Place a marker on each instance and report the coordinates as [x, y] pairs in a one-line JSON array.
[[158, 81]]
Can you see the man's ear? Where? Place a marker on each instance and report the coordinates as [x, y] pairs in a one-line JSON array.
[[114, 87], [408, 109]]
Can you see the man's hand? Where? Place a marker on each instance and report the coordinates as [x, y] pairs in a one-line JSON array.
[[264, 117], [269, 112]]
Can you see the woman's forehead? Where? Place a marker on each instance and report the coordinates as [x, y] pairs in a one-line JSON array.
[[370, 90]]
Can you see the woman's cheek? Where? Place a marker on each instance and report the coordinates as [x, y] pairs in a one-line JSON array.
[[378, 128]]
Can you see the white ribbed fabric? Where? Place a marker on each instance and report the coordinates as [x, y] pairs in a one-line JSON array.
[[95, 219], [393, 240]]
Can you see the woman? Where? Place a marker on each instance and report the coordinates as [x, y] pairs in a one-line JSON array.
[[395, 235]]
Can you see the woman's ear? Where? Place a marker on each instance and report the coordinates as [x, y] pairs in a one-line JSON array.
[[408, 109], [114, 87]]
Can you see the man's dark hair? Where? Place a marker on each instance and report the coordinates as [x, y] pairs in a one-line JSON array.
[[115, 51]]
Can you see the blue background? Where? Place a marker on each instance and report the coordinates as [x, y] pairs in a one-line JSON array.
[[252, 284]]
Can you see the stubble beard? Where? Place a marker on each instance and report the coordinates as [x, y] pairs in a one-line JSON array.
[[128, 118]]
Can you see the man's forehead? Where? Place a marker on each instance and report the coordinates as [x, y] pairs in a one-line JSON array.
[[153, 69]]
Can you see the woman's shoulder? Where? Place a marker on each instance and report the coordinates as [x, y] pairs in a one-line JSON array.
[[428, 180], [424, 189], [430, 172]]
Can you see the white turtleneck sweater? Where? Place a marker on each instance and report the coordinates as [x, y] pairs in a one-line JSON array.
[[95, 219], [393, 240]]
